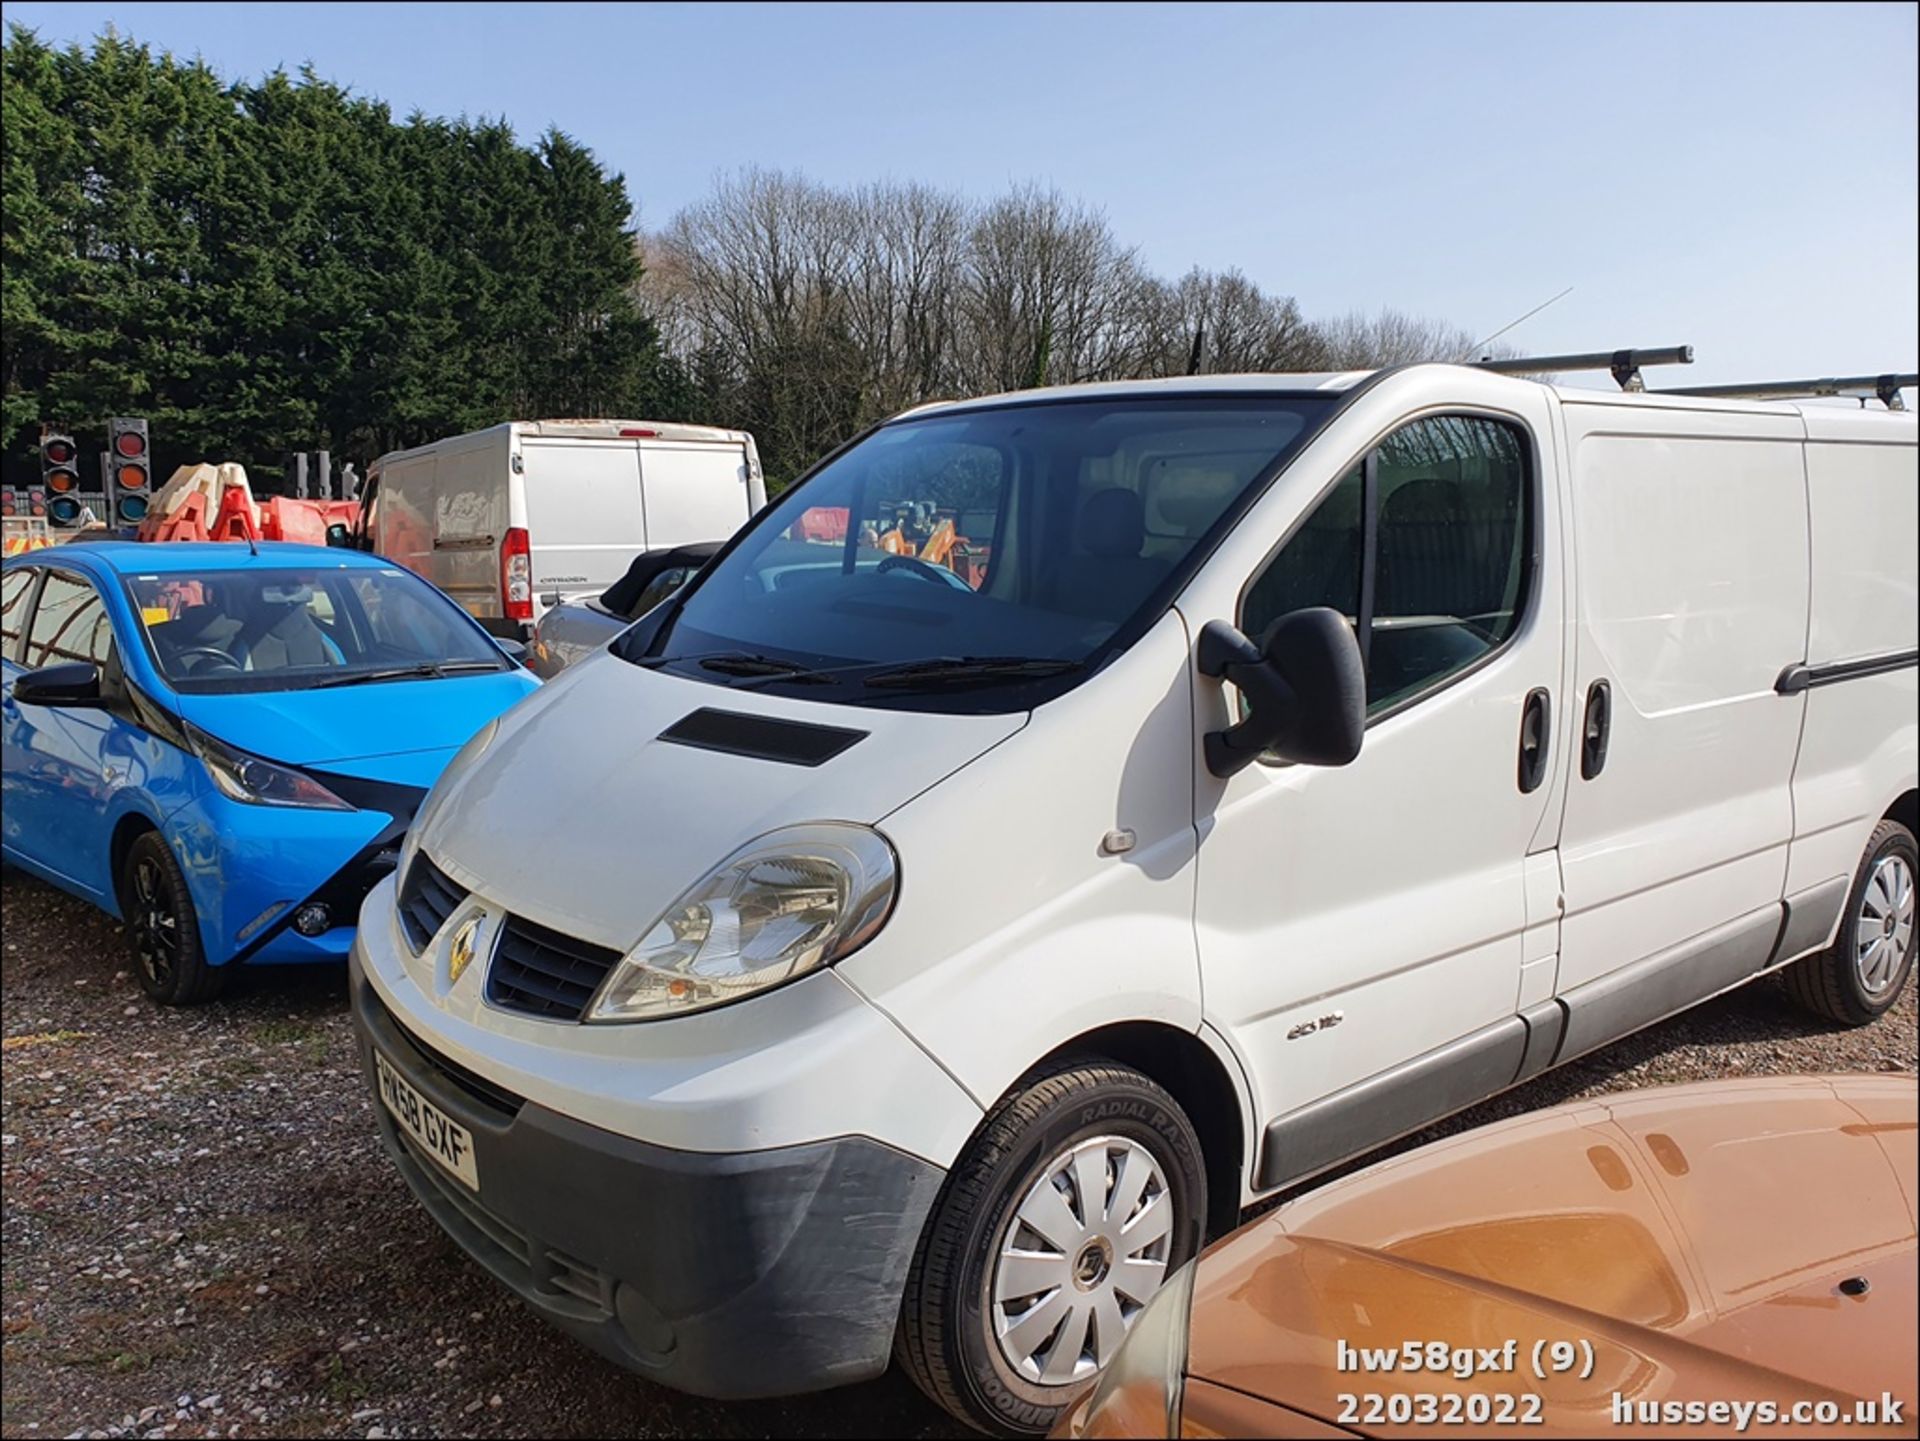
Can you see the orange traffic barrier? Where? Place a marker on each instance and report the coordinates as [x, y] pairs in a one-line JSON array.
[[205, 502]]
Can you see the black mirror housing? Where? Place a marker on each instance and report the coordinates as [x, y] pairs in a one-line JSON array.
[[1306, 691], [513, 650], [74, 684]]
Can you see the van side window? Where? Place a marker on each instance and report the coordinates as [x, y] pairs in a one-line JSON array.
[[1444, 509], [1320, 565]]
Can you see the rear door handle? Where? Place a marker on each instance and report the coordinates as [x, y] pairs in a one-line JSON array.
[[1595, 728], [1535, 728]]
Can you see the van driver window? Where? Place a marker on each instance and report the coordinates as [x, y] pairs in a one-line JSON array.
[[1451, 531]]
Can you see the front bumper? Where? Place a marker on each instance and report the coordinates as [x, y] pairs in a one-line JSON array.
[[251, 869], [731, 1275]]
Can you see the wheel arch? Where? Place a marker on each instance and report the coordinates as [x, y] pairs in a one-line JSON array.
[[1906, 810], [128, 829], [1189, 1070]]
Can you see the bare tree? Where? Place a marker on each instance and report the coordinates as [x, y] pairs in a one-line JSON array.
[[804, 312], [1047, 297], [665, 295], [909, 245], [1221, 322], [1357, 341], [758, 280]]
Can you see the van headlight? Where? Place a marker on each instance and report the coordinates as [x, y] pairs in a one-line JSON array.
[[790, 902]]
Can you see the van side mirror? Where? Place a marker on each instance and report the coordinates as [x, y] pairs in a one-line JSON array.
[[513, 650], [1306, 691], [73, 684]]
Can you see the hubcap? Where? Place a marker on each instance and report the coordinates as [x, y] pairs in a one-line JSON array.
[[1081, 1254], [1884, 930], [156, 934]]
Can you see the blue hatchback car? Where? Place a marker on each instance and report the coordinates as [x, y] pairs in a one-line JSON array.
[[224, 746]]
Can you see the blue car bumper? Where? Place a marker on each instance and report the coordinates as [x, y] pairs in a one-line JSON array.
[[278, 884]]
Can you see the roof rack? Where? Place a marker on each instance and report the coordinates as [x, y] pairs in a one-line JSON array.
[[1625, 364], [1859, 387]]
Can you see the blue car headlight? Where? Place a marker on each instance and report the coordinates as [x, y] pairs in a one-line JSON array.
[[257, 782]]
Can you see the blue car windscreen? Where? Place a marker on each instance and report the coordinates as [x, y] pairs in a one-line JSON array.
[[285, 629]]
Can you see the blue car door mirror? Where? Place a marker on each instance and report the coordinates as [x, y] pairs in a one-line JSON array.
[[75, 684]]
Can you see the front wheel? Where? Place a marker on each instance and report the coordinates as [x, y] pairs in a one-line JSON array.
[[1082, 1193], [163, 927]]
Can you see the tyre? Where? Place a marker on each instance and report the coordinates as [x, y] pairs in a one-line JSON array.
[[1081, 1193], [162, 926], [1858, 977]]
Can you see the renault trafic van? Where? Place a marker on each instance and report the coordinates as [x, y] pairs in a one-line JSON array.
[[1065, 818], [516, 519]]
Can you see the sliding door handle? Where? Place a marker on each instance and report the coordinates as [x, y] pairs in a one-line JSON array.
[[1535, 730], [1595, 728]]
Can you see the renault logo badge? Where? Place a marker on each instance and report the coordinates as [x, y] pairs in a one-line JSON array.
[[460, 953]]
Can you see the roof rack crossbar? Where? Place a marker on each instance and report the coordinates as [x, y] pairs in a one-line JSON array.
[[1624, 364], [1886, 387]]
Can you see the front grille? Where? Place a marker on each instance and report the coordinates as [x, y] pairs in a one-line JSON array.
[[427, 898], [545, 973]]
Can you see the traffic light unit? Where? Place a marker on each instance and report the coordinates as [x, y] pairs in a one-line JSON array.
[[130, 463], [59, 499]]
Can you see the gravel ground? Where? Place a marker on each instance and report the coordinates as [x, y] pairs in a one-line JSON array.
[[202, 1237]]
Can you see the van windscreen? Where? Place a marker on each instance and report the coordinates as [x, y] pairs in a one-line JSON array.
[[960, 561]]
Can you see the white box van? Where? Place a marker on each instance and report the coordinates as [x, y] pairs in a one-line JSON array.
[[1065, 818], [518, 517]]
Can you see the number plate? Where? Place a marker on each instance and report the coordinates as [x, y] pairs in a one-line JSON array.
[[439, 1135]]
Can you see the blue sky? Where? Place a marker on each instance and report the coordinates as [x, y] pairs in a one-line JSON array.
[[1737, 177]]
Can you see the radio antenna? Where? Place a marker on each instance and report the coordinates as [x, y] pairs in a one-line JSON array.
[[1476, 346]]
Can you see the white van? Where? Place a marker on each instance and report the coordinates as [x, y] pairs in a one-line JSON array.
[[517, 518], [1065, 818]]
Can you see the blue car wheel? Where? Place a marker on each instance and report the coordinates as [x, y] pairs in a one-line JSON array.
[[163, 927]]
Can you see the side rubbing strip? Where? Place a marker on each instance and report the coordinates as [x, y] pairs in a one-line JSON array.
[[794, 743], [1798, 677], [1654, 988], [1373, 1112]]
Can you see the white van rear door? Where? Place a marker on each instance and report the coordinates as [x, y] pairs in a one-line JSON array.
[[694, 492], [585, 521], [402, 520]]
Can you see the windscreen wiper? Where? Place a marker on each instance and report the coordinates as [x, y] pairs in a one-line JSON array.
[[426, 670], [745, 663], [753, 668], [963, 669]]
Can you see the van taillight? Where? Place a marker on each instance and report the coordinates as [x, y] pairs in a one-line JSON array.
[[516, 575]]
